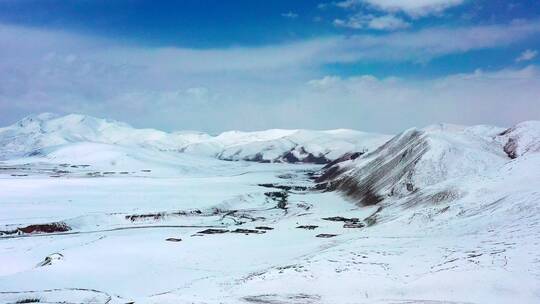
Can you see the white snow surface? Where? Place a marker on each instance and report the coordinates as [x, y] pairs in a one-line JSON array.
[[458, 220]]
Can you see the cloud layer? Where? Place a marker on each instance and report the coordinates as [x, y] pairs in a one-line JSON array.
[[262, 87], [414, 8], [527, 55]]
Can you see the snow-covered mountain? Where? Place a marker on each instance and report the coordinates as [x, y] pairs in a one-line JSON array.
[[42, 134], [443, 166]]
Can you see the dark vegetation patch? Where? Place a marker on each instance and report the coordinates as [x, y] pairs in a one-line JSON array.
[[264, 228], [285, 187], [325, 235], [281, 197], [173, 239], [341, 219], [286, 176], [213, 231], [79, 166], [299, 298], [28, 300], [93, 174], [307, 227], [237, 231], [238, 216], [353, 225], [137, 217], [39, 228], [161, 215], [248, 231]]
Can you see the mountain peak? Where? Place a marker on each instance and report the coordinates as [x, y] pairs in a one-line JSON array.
[[36, 118]]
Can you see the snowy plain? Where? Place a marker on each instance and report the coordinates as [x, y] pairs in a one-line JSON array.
[[458, 220]]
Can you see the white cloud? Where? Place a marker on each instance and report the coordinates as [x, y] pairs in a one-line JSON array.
[[348, 3], [207, 89], [360, 21], [289, 15], [527, 55], [325, 82], [501, 97], [388, 22], [414, 8], [423, 45]]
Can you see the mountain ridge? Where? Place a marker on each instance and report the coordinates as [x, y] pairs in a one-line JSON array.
[[35, 132]]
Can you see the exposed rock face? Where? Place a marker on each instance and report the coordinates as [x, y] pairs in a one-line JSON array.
[[510, 148], [345, 157], [521, 139], [51, 259]]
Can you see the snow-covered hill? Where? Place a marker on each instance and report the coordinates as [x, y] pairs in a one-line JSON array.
[[442, 166], [418, 158], [42, 134]]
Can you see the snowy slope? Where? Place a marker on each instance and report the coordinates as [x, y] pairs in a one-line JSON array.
[[440, 166], [415, 159], [39, 134]]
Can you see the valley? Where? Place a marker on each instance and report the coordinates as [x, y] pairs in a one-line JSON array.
[[455, 220]]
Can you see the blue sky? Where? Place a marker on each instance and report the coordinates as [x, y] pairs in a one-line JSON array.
[[376, 65]]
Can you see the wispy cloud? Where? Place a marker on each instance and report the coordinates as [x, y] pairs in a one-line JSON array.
[[55, 50], [414, 8], [360, 21], [289, 15], [527, 55]]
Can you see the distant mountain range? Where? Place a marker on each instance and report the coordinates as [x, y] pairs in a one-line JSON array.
[[46, 133]]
